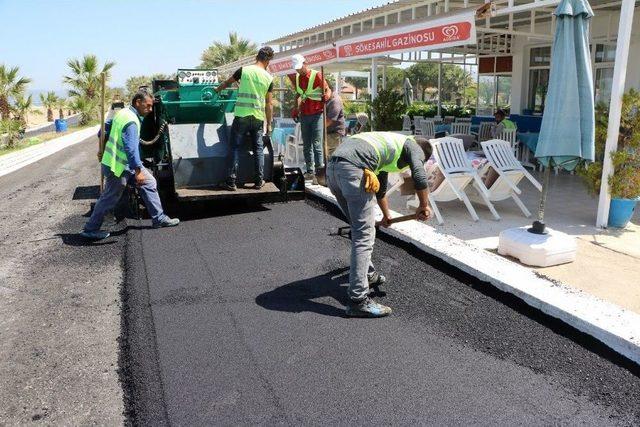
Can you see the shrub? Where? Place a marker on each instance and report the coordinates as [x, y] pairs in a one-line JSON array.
[[352, 107], [625, 182], [387, 110]]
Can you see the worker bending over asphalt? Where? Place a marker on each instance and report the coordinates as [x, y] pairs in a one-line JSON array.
[[357, 176], [121, 164]]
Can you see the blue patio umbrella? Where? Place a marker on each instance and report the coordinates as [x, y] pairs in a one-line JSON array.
[[567, 132]]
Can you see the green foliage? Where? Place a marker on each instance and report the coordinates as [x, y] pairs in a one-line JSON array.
[[21, 108], [133, 84], [85, 82], [11, 86], [87, 108], [220, 53], [353, 107], [11, 129], [387, 110], [625, 182], [422, 109], [49, 101]]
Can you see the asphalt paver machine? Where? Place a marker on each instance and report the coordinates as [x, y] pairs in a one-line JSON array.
[[185, 141]]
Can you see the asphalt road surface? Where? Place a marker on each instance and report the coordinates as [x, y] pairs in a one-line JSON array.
[[237, 318]]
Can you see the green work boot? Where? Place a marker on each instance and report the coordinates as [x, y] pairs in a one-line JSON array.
[[367, 308]]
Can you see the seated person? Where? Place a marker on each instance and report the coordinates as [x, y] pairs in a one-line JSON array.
[[502, 123]]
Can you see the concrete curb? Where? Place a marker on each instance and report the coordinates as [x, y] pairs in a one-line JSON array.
[[21, 158], [617, 328]]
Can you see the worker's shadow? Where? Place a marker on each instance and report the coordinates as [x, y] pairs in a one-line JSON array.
[[302, 295]]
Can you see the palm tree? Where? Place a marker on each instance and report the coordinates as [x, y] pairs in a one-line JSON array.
[[22, 107], [223, 53], [86, 107], [49, 101], [85, 76], [11, 86], [61, 104], [10, 129]]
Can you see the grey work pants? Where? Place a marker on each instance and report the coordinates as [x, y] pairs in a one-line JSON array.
[[113, 188], [345, 182]]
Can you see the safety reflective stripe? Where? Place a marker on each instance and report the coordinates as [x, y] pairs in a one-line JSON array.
[[114, 155], [310, 92], [254, 86]]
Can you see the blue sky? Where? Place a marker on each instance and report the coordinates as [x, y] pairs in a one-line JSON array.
[[144, 36]]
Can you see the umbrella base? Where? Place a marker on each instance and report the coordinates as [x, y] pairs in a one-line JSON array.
[[540, 250]]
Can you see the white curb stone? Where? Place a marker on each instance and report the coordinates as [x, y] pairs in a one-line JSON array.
[[21, 158], [614, 326]]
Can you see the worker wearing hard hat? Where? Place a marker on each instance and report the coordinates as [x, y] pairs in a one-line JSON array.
[[311, 92], [357, 176], [252, 110]]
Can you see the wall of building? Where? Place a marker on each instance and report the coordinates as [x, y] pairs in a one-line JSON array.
[[604, 27]]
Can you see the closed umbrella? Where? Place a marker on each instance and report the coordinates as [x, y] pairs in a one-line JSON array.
[[408, 92], [568, 126]]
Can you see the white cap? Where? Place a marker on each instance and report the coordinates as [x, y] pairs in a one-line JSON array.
[[297, 60]]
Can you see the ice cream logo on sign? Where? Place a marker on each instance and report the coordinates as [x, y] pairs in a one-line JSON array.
[[450, 32], [329, 53], [348, 50]]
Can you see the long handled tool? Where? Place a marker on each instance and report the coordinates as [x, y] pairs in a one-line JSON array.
[[322, 176], [102, 140], [344, 231]]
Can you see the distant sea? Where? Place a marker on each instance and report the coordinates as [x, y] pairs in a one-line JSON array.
[[36, 94]]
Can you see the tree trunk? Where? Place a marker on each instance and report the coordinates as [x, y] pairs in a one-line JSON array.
[[4, 108], [61, 113], [49, 115]]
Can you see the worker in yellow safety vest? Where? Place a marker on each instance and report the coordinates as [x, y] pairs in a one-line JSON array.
[[121, 164], [502, 123], [312, 91], [253, 108], [357, 175]]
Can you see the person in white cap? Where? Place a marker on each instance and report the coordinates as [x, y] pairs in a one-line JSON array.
[[311, 93]]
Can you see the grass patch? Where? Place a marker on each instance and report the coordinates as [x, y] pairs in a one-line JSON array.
[[43, 137]]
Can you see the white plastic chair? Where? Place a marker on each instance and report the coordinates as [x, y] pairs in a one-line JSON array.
[[485, 132], [428, 129], [294, 147], [461, 128], [509, 135], [463, 119], [406, 123], [458, 174], [510, 172], [417, 124], [449, 119]]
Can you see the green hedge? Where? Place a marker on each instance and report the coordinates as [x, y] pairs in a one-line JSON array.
[[431, 110]]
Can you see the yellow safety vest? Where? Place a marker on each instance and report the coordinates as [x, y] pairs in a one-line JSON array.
[[310, 92], [388, 146], [114, 155], [254, 85]]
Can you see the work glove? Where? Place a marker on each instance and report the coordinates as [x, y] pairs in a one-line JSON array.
[[371, 183]]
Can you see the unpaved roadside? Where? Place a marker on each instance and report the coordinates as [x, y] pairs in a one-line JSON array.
[[59, 298]]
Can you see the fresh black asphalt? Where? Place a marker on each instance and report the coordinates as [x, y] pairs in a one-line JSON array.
[[236, 317]]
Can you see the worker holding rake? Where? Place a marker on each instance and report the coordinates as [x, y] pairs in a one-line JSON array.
[[357, 175]]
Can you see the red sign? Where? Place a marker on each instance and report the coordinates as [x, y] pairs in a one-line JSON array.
[[314, 57], [454, 33]]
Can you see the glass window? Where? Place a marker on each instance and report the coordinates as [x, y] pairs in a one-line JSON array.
[[392, 19], [486, 95], [367, 25], [379, 22], [504, 92], [538, 83], [540, 56], [604, 79], [605, 53]]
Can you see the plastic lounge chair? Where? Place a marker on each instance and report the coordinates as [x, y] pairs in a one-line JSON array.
[[485, 131], [428, 129], [510, 172], [509, 135], [406, 123], [461, 128], [417, 125], [458, 174], [294, 147]]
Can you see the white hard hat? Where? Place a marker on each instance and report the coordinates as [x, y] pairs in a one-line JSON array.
[[298, 60]]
